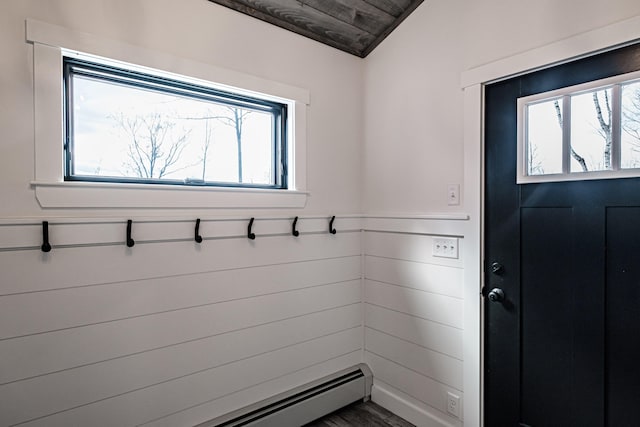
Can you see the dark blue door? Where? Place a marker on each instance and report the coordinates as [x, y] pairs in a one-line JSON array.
[[562, 347]]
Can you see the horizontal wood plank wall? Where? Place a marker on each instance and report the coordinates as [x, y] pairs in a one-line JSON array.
[[414, 316], [171, 332]]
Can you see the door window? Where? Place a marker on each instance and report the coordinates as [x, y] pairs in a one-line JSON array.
[[588, 131]]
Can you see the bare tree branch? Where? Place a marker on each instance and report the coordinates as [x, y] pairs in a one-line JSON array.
[[631, 118], [535, 165], [596, 103], [604, 126], [235, 119], [578, 158], [556, 104], [152, 149], [205, 148]]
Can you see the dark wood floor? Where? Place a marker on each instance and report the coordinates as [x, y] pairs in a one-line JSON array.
[[361, 414]]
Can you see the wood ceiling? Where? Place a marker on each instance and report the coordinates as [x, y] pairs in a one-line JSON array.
[[354, 26]]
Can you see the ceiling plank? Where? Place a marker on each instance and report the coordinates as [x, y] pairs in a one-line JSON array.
[[358, 13], [353, 26], [307, 21], [392, 7]]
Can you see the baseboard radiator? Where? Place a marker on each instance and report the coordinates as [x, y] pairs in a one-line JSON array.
[[303, 404]]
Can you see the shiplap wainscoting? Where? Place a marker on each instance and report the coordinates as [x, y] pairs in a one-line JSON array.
[[171, 332], [414, 316]]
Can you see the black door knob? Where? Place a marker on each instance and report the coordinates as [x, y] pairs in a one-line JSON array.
[[496, 295]]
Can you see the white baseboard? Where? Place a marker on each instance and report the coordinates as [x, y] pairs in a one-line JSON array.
[[408, 408]]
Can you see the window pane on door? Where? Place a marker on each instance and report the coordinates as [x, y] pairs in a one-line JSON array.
[[630, 140], [544, 137], [591, 134]]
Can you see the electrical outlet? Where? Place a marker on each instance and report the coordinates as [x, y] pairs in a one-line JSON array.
[[453, 404], [445, 247], [453, 194]]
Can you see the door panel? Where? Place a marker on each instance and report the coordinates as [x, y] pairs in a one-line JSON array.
[[623, 314], [546, 312], [562, 369], [560, 349]]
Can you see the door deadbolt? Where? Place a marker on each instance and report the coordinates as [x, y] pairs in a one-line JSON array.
[[497, 268]]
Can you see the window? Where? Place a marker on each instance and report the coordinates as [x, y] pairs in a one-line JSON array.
[[83, 131], [590, 131], [127, 126]]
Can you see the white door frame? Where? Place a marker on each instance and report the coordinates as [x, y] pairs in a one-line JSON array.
[[473, 82]]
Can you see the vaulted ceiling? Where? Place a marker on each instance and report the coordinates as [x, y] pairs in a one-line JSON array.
[[354, 26]]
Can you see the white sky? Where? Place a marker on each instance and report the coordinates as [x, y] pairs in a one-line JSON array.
[[100, 144]]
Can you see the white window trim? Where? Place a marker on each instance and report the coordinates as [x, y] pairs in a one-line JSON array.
[[52, 191], [563, 93]]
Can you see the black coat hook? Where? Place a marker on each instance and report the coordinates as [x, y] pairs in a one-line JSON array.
[[331, 229], [295, 232], [251, 235], [198, 237], [46, 247], [130, 241]]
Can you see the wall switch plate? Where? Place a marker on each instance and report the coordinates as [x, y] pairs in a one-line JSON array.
[[453, 404], [445, 247], [453, 194]]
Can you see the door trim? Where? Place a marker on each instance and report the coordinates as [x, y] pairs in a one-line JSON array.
[[472, 82]]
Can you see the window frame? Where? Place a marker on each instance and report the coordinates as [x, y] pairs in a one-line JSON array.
[[565, 94], [50, 43], [105, 72]]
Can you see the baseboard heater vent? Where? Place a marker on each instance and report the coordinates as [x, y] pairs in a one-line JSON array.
[[303, 404]]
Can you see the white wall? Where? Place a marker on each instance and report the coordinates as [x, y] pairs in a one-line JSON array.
[[412, 150], [496, 29], [201, 31], [413, 143], [417, 121], [413, 138], [413, 318], [170, 332]]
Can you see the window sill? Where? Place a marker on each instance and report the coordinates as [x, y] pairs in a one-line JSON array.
[[108, 195]]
